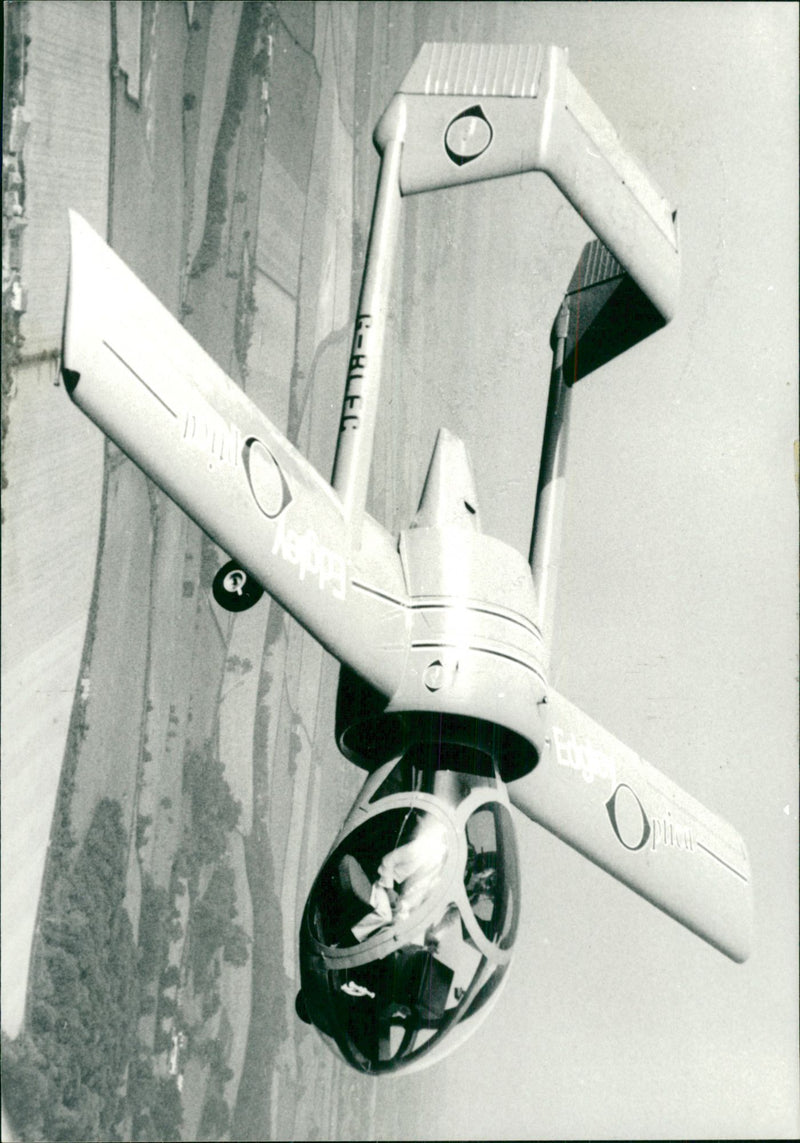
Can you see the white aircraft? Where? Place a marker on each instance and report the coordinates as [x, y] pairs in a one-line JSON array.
[[443, 631]]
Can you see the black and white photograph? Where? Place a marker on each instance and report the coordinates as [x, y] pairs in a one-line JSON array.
[[399, 570]]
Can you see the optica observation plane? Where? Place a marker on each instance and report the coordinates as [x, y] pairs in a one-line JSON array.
[[443, 631]]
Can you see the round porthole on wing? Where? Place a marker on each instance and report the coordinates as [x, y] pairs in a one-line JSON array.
[[269, 486], [467, 136]]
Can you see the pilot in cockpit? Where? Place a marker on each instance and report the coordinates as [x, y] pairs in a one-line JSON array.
[[405, 877]]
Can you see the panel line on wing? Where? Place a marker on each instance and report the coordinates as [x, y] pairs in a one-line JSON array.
[[365, 587], [437, 646], [721, 860], [140, 379], [423, 605], [519, 621]]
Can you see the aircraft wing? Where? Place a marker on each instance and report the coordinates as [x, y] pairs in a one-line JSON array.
[[135, 371], [605, 801]]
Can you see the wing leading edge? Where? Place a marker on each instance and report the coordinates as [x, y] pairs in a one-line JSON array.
[[617, 810]]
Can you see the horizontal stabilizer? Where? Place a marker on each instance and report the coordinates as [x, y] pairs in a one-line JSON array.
[[605, 801], [482, 111]]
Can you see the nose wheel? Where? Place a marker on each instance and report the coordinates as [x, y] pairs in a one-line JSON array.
[[234, 589]]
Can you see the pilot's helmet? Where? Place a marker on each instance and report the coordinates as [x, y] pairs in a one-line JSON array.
[[409, 926]]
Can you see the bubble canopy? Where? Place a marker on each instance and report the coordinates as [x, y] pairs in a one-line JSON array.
[[408, 930]]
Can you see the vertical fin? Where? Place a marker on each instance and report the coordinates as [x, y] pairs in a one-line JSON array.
[[448, 496], [610, 313]]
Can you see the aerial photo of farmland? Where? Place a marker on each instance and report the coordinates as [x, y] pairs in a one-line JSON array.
[[171, 781]]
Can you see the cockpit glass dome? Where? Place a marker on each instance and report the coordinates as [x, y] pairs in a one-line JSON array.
[[408, 929]]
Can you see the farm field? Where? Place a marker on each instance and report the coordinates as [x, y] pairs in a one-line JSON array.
[[201, 775], [251, 696]]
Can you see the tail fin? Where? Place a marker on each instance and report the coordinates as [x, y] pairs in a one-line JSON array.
[[608, 313]]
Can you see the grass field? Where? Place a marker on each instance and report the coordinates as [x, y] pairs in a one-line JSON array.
[[155, 665], [212, 735]]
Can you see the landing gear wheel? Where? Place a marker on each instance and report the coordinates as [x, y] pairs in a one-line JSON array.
[[234, 589]]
